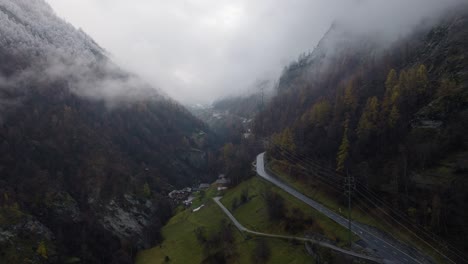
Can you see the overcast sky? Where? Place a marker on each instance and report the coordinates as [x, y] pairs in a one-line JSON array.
[[200, 50]]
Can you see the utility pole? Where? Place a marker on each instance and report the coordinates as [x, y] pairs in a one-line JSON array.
[[350, 185], [261, 86], [262, 89]]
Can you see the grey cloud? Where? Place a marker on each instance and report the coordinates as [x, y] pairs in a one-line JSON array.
[[198, 51], [101, 80]]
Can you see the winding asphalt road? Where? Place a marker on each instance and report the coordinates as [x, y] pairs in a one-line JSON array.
[[383, 247], [321, 243]]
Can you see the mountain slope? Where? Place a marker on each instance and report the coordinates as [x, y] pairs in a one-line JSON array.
[[394, 116], [87, 150]]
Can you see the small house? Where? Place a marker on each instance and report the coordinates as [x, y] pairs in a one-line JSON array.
[[203, 186], [223, 181]]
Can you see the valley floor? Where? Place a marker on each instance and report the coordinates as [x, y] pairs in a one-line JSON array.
[[181, 245]]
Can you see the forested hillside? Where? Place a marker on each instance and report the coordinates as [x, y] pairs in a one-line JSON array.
[[393, 115], [88, 151]]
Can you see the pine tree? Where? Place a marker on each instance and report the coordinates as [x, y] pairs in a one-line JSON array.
[[350, 98], [391, 82], [343, 151], [146, 190], [320, 113], [403, 81], [422, 81], [395, 95], [392, 95], [287, 140], [393, 117], [369, 118], [42, 250]]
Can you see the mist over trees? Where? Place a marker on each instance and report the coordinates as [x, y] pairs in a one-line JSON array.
[[390, 116], [88, 151]]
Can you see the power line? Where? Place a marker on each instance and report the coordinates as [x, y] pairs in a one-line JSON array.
[[389, 225], [316, 167], [409, 230], [396, 212], [376, 237], [394, 219], [349, 185], [432, 236], [320, 178]]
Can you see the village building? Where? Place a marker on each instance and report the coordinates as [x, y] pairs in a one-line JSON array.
[[203, 186], [180, 195], [222, 183]]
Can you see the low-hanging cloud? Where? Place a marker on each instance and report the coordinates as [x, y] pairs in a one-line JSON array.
[[198, 51]]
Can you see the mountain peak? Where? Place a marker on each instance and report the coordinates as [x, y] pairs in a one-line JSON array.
[[31, 28]]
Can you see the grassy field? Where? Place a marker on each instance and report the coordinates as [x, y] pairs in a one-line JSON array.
[[254, 215], [180, 243], [318, 195], [181, 246]]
